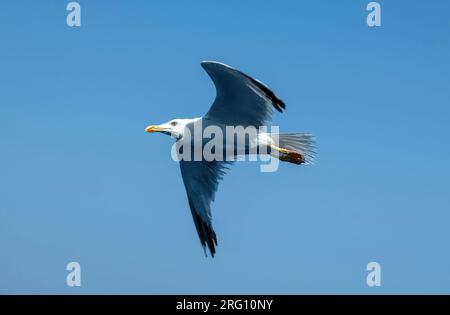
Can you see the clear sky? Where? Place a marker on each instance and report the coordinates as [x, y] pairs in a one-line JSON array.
[[81, 181]]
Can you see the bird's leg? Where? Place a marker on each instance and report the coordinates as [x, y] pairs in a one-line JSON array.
[[286, 155]]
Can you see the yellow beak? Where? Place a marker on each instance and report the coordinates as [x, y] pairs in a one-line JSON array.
[[154, 129]]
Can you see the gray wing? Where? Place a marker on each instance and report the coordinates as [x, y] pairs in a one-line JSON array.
[[201, 179], [240, 99]]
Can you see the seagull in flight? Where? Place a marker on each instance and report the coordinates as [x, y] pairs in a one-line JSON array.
[[240, 101]]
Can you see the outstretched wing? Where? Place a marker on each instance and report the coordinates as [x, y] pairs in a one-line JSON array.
[[201, 180], [240, 99]]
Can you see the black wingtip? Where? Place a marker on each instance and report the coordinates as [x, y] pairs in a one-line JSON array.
[[209, 238], [205, 232], [277, 103]]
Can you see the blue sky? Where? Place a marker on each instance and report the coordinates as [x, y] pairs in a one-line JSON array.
[[81, 181]]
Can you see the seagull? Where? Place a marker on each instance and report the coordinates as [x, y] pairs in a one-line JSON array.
[[240, 101]]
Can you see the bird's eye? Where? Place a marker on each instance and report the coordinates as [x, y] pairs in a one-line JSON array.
[[173, 123]]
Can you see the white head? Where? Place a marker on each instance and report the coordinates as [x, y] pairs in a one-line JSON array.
[[174, 128]]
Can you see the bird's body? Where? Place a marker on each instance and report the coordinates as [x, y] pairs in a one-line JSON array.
[[207, 145], [255, 140]]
